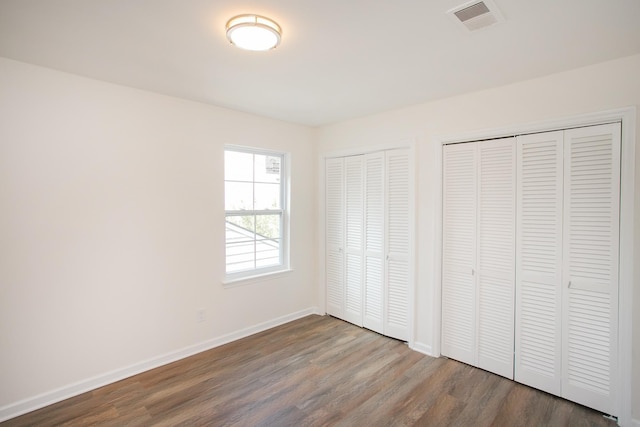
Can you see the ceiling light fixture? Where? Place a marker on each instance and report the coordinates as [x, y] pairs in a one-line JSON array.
[[253, 32]]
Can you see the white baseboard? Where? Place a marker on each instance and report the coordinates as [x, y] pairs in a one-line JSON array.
[[45, 399], [635, 423], [421, 348]]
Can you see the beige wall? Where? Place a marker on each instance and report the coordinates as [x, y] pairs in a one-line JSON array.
[[112, 228], [605, 86]]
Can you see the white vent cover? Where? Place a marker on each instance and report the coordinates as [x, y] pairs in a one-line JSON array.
[[475, 15]]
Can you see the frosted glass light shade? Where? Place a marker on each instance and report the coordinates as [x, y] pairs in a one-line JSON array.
[[253, 32]]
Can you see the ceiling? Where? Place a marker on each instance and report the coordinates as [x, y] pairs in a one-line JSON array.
[[338, 59]]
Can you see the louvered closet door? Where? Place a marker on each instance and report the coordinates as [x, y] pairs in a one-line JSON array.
[[398, 208], [538, 335], [374, 253], [334, 175], [496, 255], [354, 201], [459, 252], [590, 283]]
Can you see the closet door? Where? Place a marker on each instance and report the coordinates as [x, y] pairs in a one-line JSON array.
[[374, 244], [590, 283], [459, 252], [398, 240], [496, 255], [334, 174], [368, 240], [538, 337], [354, 204]]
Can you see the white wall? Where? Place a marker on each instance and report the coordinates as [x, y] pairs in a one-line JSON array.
[[112, 231], [111, 215], [605, 86]]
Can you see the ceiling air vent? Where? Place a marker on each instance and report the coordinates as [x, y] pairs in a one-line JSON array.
[[476, 14]]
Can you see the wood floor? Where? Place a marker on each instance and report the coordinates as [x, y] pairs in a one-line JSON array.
[[316, 371]]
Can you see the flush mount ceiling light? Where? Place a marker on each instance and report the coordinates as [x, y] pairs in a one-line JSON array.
[[253, 32]]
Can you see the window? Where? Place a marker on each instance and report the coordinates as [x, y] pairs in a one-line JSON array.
[[255, 212]]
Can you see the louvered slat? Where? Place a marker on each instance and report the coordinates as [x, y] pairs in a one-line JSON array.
[[335, 273], [459, 247], [591, 216], [398, 202], [353, 289], [539, 261], [334, 205], [374, 242], [398, 297], [496, 255]]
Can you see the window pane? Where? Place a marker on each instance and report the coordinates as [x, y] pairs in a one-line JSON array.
[[267, 196], [245, 222], [240, 243], [267, 168], [267, 240], [267, 227], [238, 166], [267, 253], [238, 196]]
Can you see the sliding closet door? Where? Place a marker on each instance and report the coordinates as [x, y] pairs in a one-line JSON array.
[[354, 203], [398, 215], [459, 252], [374, 244], [590, 291], [538, 350], [496, 255], [334, 174]]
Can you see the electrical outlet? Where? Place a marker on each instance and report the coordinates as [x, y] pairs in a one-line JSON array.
[[200, 315]]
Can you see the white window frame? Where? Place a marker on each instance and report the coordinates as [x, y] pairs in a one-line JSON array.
[[283, 264]]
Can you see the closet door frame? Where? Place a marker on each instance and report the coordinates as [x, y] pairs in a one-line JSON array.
[[627, 116], [410, 145]]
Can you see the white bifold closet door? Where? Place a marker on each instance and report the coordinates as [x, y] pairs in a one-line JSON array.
[[538, 351], [591, 259], [560, 249], [479, 254], [459, 252], [567, 264], [374, 242], [345, 224], [387, 237], [398, 242], [368, 239], [334, 236], [354, 224]]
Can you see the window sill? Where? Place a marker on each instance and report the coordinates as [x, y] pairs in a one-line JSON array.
[[248, 280]]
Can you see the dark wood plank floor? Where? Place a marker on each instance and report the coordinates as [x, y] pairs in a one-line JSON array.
[[316, 371]]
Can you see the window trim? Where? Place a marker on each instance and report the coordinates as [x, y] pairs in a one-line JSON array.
[[283, 266]]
